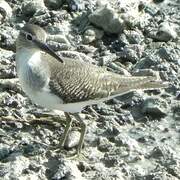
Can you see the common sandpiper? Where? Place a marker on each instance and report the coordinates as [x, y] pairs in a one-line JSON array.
[[68, 85]]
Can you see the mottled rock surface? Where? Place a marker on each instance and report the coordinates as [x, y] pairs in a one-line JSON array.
[[134, 136]]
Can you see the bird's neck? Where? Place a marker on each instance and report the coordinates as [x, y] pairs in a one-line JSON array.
[[25, 56], [31, 70]]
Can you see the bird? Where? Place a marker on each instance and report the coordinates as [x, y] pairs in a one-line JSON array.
[[68, 85]]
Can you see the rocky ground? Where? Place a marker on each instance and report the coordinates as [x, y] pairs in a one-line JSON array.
[[135, 136]]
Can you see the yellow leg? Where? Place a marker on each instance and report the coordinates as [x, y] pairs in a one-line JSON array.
[[83, 132], [68, 126]]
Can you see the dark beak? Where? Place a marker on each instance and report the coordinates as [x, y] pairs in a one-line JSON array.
[[47, 49]]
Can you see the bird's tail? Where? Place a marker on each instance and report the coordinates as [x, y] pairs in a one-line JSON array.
[[150, 82]]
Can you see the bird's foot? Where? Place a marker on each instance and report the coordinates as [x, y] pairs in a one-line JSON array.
[[77, 156], [72, 154]]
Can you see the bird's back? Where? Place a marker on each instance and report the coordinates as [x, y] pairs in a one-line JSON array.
[[76, 81]]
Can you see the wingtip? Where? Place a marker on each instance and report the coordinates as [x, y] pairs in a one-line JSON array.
[[164, 84], [158, 81], [159, 84]]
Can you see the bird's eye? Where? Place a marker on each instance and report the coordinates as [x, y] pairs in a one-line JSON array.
[[29, 37]]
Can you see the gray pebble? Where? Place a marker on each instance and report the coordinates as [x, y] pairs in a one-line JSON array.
[[59, 46], [166, 32], [5, 11], [92, 34], [72, 139], [147, 62], [4, 152], [10, 84], [76, 5], [104, 145], [67, 170], [132, 52], [107, 19], [8, 37], [155, 107], [76, 56], [134, 36], [54, 4], [29, 8]]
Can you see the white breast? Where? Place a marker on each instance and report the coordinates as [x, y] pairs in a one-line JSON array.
[[25, 59]]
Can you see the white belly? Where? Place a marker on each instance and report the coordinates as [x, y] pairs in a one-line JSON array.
[[53, 102]]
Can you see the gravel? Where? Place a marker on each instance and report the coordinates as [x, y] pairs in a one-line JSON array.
[[134, 136]]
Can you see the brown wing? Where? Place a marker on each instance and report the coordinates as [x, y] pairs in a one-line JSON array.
[[76, 81]]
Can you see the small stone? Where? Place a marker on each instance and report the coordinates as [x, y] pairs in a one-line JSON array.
[[58, 46], [5, 11], [60, 38], [86, 49], [111, 160], [122, 41], [55, 22], [131, 52], [92, 34], [72, 139], [16, 164], [2, 18], [4, 152], [104, 145], [18, 125], [161, 151], [174, 169], [107, 19], [4, 112], [166, 32], [14, 101], [167, 54], [158, 1], [148, 140], [125, 117], [76, 56], [154, 107], [134, 37], [107, 59], [118, 69], [29, 8], [139, 170], [176, 110], [124, 140], [3, 97], [7, 71], [8, 37], [147, 62], [102, 3], [84, 166], [130, 99], [10, 84], [54, 4], [76, 5], [104, 109], [67, 170], [34, 167]]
